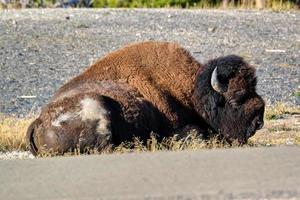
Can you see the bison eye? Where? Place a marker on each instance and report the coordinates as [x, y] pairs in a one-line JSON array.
[[258, 123], [234, 103]]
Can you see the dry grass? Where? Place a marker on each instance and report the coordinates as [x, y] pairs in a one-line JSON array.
[[191, 143], [12, 133], [279, 110], [282, 127]]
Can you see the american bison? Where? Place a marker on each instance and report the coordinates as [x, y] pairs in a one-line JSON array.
[[219, 96], [92, 115]]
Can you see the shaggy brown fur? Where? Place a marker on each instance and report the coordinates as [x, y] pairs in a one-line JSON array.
[[92, 115], [162, 72], [174, 82]]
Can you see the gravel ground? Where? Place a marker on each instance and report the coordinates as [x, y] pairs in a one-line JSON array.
[[16, 155], [42, 49]]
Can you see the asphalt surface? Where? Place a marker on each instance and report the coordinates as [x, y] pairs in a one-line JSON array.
[[42, 49], [248, 173]]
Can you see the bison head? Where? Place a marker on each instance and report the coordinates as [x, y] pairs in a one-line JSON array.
[[225, 97], [73, 122]]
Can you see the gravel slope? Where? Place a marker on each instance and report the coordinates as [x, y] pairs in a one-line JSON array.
[[41, 49]]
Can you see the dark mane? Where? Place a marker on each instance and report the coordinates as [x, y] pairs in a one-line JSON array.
[[228, 113]]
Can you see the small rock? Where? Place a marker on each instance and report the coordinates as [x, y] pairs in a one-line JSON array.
[[289, 141], [16, 155], [14, 22], [212, 29]]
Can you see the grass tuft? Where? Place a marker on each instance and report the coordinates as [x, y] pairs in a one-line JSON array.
[[278, 110], [297, 94], [12, 133], [190, 142]]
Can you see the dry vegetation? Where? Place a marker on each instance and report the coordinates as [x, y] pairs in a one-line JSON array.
[[12, 133], [282, 127]]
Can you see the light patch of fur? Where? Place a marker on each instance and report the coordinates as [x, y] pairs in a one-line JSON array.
[[62, 118], [93, 110], [51, 134]]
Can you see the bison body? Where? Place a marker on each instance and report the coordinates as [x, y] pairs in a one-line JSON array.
[[183, 90], [219, 96], [92, 115]]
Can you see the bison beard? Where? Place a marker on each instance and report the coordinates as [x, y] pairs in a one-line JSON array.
[[219, 97]]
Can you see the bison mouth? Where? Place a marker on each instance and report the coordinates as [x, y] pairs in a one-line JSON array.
[[249, 133], [238, 139]]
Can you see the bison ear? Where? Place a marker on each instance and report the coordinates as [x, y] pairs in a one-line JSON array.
[[216, 84]]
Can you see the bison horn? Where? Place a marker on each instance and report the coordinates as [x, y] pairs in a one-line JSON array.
[[215, 83]]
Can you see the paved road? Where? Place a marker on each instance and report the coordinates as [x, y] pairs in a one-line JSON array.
[[256, 173]]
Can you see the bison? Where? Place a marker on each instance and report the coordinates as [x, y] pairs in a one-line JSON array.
[[92, 115], [219, 96]]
